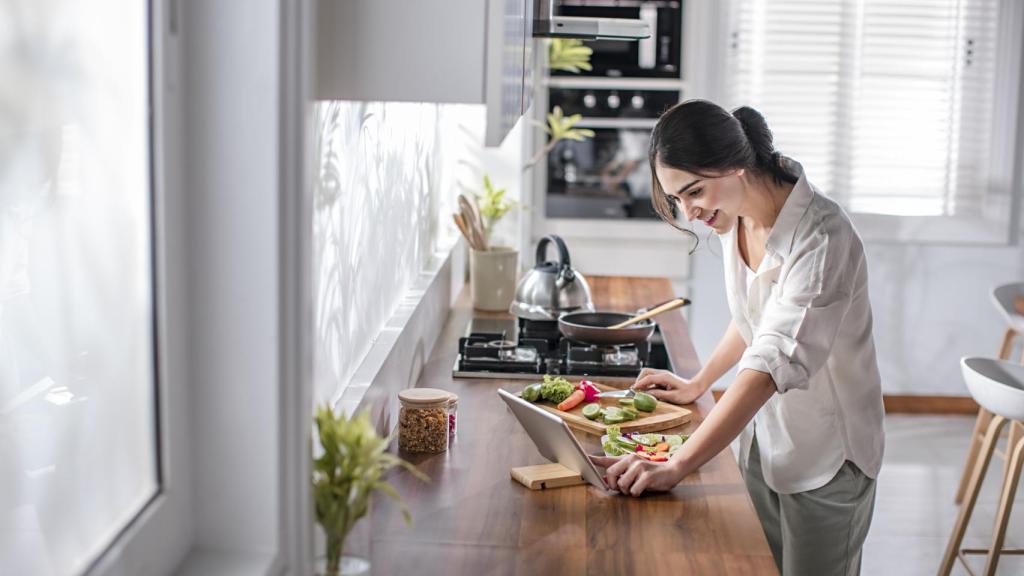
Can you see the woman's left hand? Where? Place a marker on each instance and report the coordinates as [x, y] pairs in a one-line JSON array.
[[633, 475]]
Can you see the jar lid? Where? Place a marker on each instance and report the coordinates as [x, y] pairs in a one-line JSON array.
[[424, 395]]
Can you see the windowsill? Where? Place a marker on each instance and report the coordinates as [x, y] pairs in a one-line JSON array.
[[210, 563], [402, 347]]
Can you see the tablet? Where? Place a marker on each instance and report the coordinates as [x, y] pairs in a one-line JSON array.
[[553, 438]]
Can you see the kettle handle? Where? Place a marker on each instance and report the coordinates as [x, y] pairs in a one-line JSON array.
[[565, 266]]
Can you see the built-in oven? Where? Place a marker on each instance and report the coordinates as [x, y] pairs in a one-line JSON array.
[[607, 176], [656, 57]]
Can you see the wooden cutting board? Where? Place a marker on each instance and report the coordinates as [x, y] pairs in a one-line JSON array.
[[665, 416]]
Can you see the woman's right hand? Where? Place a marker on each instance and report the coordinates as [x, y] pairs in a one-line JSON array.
[[668, 387]]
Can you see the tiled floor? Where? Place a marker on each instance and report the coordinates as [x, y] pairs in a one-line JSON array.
[[914, 510]]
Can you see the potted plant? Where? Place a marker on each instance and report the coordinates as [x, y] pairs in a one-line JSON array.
[[345, 476], [492, 269]]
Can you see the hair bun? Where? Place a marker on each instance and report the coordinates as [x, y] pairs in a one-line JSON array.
[[758, 135]]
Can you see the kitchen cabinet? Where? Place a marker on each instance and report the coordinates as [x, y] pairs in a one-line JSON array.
[[445, 51]]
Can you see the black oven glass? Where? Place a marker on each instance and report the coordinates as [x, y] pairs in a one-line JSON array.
[[606, 176]]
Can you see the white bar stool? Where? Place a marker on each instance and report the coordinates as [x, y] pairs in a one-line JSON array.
[[998, 386], [1004, 297]]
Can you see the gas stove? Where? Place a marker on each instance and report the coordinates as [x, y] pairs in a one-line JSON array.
[[528, 349]]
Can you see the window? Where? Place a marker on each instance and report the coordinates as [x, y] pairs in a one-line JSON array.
[[889, 104], [78, 448]]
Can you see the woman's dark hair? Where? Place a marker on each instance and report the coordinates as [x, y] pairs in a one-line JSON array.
[[703, 138]]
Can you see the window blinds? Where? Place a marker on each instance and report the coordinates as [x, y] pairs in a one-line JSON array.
[[886, 103]]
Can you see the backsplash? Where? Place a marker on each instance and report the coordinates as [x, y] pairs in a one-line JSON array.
[[387, 177]]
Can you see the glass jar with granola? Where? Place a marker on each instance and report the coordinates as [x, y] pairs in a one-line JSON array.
[[423, 420]]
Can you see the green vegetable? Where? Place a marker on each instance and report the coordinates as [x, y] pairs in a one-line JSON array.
[[531, 393], [616, 418], [647, 439], [555, 389], [592, 411], [676, 439], [626, 401], [626, 443], [644, 401], [614, 432], [612, 449], [629, 414]]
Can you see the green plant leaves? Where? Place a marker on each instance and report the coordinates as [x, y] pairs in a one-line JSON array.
[[561, 126], [569, 54], [493, 205], [349, 471]]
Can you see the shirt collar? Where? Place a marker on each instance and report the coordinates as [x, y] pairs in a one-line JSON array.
[[780, 239]]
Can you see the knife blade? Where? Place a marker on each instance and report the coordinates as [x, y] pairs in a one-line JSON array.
[[628, 393]]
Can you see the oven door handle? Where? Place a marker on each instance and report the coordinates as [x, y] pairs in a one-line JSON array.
[[647, 51]]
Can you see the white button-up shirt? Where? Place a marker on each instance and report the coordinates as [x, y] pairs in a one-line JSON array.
[[806, 320]]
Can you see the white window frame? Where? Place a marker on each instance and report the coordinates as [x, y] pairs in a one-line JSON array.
[[164, 537], [158, 537], [1006, 181]]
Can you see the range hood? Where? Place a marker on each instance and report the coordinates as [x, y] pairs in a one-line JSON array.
[[547, 25]]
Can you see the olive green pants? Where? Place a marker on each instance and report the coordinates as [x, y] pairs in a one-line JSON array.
[[819, 532]]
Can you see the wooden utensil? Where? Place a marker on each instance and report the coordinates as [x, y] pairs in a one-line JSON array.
[[472, 222], [465, 230], [670, 305]]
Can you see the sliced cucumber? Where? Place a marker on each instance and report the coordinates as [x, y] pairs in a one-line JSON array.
[[592, 411], [626, 401]]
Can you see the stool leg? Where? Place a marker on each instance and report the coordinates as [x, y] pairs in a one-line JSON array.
[[1016, 433], [977, 474], [980, 424], [1005, 505]]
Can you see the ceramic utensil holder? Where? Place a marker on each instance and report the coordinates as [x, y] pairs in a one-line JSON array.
[[492, 276]]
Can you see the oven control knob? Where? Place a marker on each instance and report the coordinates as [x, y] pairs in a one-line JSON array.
[[613, 100], [637, 101], [589, 100]]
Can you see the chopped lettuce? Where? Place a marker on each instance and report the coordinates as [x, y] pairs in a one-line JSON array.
[[555, 389]]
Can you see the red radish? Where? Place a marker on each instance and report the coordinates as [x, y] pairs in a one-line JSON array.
[[589, 390]]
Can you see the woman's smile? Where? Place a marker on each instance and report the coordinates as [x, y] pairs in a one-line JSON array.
[[710, 220]]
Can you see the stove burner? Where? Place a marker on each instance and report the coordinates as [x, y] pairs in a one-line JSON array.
[[528, 349], [619, 357]]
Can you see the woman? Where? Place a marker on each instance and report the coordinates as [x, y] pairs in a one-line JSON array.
[[806, 401]]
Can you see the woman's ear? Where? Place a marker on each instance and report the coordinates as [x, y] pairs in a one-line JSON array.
[[741, 172]]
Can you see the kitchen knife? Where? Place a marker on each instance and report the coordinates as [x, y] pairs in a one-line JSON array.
[[629, 393]]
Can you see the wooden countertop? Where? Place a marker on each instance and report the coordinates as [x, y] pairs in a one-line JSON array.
[[472, 518]]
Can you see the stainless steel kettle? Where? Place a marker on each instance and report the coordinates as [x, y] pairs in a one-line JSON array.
[[551, 288]]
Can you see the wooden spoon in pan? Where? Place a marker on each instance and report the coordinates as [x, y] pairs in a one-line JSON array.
[[670, 305]]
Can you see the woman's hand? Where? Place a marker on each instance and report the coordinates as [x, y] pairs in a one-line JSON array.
[[633, 475], [666, 386]]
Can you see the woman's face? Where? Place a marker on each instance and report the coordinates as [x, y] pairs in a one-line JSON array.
[[714, 200]]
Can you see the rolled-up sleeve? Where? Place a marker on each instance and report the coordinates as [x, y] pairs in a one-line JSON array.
[[798, 326]]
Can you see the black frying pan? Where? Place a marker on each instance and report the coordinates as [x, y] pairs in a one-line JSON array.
[[592, 328]]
